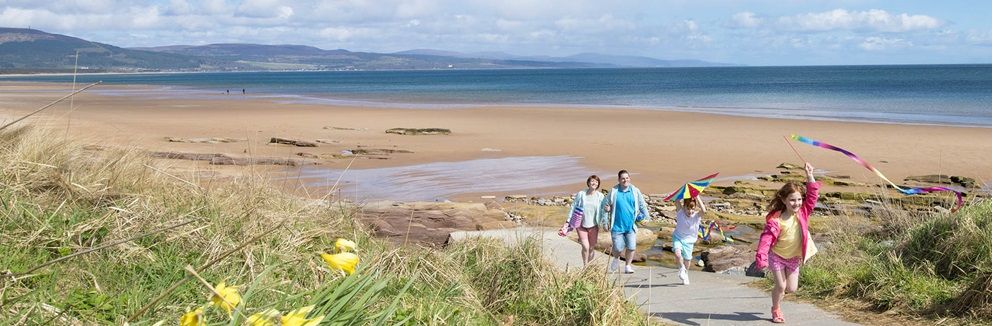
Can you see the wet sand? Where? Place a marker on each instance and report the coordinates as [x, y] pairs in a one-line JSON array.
[[662, 149]]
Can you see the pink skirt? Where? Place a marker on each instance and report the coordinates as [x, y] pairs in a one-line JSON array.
[[777, 263]]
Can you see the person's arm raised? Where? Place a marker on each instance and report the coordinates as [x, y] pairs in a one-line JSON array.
[[812, 192]]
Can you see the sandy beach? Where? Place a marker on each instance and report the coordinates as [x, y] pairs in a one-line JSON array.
[[661, 148]]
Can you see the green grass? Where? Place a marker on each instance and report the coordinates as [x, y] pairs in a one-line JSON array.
[[932, 266], [57, 199]]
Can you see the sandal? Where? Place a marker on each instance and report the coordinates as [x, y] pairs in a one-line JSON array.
[[777, 316]]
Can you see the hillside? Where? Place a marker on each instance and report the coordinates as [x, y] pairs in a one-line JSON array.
[[311, 58], [626, 61], [34, 50]]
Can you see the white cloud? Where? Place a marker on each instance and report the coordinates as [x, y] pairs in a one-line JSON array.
[[746, 19], [264, 9], [179, 7], [416, 8], [980, 37], [344, 33], [510, 25], [337, 33], [604, 23], [871, 21], [693, 34], [215, 7], [875, 43], [543, 35], [143, 18]]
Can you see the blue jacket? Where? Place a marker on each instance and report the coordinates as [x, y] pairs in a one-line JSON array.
[[640, 207]]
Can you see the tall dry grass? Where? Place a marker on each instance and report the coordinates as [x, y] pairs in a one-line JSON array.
[[928, 265], [122, 229]]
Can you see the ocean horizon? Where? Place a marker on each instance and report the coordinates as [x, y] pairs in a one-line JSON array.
[[959, 95]]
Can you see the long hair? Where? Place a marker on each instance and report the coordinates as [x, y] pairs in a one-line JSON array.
[[778, 203]]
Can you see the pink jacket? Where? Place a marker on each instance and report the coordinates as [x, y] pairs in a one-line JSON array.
[[772, 229]]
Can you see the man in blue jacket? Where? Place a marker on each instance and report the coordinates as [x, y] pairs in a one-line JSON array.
[[624, 207]]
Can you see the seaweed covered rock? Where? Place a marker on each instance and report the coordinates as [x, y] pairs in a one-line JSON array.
[[419, 131], [945, 179]]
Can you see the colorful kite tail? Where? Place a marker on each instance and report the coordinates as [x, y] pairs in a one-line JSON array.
[[907, 191]]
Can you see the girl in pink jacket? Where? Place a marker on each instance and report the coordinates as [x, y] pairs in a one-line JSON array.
[[786, 244]]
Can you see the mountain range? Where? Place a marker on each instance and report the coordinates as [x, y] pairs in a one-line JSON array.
[[33, 51]]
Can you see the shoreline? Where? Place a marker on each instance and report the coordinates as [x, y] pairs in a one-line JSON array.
[[661, 148], [391, 101]]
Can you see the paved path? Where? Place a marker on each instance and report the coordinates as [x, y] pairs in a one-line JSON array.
[[711, 299]]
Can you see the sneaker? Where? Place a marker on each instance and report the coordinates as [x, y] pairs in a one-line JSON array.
[[682, 275], [628, 270], [614, 264], [685, 280]]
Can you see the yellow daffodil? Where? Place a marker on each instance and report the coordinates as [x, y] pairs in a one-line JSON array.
[[228, 299], [343, 245], [298, 317], [192, 318], [344, 262], [264, 318]]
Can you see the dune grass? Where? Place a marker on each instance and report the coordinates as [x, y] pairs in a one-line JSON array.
[[59, 201], [932, 266]]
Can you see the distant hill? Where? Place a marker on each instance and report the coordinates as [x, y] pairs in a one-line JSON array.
[[588, 58], [33, 50], [308, 57], [239, 50], [29, 50], [637, 61]]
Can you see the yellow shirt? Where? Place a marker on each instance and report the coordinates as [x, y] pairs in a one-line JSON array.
[[790, 239]]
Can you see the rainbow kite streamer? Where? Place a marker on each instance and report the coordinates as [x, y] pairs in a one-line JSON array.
[[907, 191], [705, 232]]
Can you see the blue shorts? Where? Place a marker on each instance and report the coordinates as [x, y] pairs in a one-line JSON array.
[[621, 241], [683, 246]]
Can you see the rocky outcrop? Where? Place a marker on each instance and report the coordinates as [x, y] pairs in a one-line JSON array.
[[419, 131], [945, 179], [307, 155], [294, 142], [344, 128], [204, 140], [727, 259], [429, 223], [224, 159], [377, 151], [540, 201], [789, 166]]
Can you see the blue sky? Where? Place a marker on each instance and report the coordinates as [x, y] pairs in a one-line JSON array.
[[781, 32]]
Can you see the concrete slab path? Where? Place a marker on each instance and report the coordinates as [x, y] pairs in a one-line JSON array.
[[710, 299]]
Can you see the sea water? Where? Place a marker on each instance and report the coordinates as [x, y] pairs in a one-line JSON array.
[[918, 94]]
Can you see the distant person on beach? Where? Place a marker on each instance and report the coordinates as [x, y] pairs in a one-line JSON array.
[[688, 215], [585, 217], [228, 92], [785, 244], [624, 206], [243, 91]]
